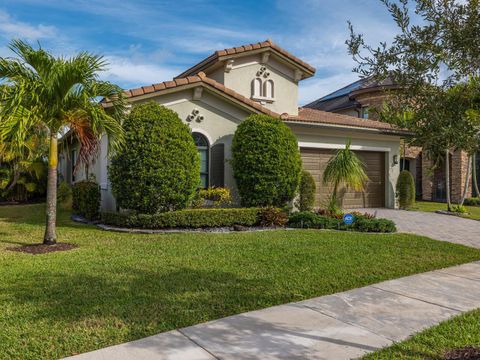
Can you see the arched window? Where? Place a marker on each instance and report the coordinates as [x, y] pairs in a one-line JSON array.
[[203, 147], [268, 89], [257, 87]]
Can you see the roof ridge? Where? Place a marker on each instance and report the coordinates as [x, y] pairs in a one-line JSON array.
[[248, 47]]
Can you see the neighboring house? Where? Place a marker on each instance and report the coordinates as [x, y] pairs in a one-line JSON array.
[[364, 99], [218, 93]]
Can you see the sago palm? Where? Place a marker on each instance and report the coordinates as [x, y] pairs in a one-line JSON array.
[[344, 168], [54, 94]]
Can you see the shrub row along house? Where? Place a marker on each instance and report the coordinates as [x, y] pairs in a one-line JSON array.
[[214, 96], [364, 99]]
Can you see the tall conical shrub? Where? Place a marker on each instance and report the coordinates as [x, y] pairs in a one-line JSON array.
[[405, 190]]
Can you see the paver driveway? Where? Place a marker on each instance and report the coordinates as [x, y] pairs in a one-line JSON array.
[[436, 226]]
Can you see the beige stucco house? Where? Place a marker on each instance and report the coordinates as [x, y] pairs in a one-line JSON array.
[[218, 93]]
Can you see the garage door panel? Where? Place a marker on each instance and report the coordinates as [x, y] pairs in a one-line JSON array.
[[315, 160]]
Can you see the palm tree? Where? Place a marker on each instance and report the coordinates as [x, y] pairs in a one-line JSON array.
[[344, 168], [55, 94]]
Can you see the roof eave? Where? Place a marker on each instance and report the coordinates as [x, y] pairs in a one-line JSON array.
[[393, 132]]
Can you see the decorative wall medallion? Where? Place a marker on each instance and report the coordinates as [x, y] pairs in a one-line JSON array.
[[263, 72], [195, 116]]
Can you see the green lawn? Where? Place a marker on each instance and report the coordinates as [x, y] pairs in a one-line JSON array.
[[430, 206], [459, 332], [117, 287]]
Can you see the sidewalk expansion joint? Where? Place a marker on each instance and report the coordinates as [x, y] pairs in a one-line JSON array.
[[199, 345]]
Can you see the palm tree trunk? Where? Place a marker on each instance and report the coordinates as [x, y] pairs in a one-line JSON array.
[[467, 180], [474, 171], [447, 179], [50, 237]]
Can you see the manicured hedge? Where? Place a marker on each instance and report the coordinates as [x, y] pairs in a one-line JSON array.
[[474, 201], [191, 218], [86, 199], [266, 161], [310, 220]]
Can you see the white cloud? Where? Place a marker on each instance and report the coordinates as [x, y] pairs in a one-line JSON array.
[[125, 71], [12, 28]]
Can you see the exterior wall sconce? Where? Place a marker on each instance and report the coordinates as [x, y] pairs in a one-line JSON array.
[[395, 159]]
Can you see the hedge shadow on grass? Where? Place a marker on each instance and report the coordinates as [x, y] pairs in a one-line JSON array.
[[145, 301]]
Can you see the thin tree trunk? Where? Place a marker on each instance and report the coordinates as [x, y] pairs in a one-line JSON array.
[[16, 176], [474, 171], [447, 179], [50, 237], [467, 180]]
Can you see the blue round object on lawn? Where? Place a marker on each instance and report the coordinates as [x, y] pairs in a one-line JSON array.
[[348, 219]]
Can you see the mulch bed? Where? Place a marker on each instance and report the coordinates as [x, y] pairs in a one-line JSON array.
[[36, 249], [467, 353]]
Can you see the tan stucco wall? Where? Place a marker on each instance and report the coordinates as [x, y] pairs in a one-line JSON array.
[[245, 69], [310, 136]]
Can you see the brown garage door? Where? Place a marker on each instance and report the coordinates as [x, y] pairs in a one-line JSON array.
[[315, 160]]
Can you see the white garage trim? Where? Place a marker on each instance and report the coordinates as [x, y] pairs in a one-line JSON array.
[[341, 146]]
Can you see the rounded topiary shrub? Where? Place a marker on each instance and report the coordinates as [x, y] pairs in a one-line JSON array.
[[405, 190], [306, 192], [158, 168], [266, 161]]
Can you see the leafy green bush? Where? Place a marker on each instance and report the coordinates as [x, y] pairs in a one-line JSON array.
[[266, 161], [310, 220], [158, 169], [212, 197], [405, 190], [190, 218], [475, 201], [306, 192], [86, 199]]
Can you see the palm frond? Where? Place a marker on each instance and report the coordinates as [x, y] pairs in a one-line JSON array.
[[347, 169]]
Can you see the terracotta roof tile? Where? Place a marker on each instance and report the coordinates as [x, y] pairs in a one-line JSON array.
[[244, 48], [314, 116], [170, 84], [181, 81], [148, 89], [193, 79], [159, 86], [137, 92]]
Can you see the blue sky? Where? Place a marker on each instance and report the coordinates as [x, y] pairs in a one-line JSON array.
[[149, 41]]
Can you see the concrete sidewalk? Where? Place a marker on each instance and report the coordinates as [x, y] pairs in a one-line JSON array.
[[339, 326]]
